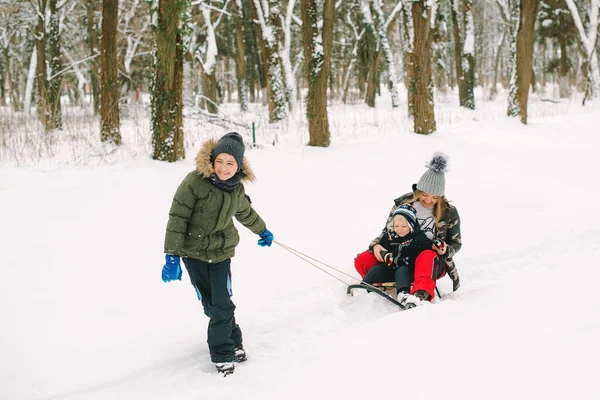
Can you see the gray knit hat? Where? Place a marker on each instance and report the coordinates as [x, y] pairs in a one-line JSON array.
[[433, 180], [232, 144]]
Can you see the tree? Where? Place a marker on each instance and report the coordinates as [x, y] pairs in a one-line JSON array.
[[48, 64], [383, 28], [464, 51], [109, 110], [167, 84], [407, 34], [240, 54], [588, 40], [268, 17], [556, 23], [523, 17], [418, 29], [376, 24], [317, 50], [356, 40], [92, 41], [55, 64]]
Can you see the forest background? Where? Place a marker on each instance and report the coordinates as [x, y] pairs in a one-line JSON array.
[[81, 67]]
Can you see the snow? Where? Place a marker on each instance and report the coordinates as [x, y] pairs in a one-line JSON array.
[[85, 314]]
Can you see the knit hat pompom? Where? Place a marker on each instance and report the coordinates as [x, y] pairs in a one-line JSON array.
[[232, 144], [433, 181], [439, 162]]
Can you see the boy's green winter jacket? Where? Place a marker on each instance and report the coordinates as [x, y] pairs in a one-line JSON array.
[[200, 220]]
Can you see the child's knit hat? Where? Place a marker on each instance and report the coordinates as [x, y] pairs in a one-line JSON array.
[[408, 212], [232, 144]]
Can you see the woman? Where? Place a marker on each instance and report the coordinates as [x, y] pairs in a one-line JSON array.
[[200, 229], [438, 219]]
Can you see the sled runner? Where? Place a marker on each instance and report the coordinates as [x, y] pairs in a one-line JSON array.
[[380, 289]]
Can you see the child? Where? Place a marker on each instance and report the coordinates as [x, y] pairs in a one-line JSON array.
[[200, 229], [405, 241]]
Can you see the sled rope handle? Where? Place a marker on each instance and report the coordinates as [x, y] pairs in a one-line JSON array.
[[306, 257]]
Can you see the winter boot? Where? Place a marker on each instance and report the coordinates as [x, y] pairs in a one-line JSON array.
[[225, 368], [408, 300], [421, 295], [240, 354]]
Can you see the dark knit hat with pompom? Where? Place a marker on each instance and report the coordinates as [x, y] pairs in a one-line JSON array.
[[408, 212], [232, 144], [433, 181]]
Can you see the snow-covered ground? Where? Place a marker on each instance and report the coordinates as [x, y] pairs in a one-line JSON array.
[[85, 314]]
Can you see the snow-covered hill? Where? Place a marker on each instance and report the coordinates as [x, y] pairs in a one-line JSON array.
[[85, 314]]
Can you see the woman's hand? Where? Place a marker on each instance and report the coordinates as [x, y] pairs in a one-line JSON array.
[[441, 247], [377, 249]]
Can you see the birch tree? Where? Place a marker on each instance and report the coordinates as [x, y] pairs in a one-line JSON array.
[[588, 40], [523, 17], [464, 51], [317, 50], [109, 111], [167, 82]]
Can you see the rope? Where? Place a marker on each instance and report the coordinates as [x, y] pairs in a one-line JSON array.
[[306, 257]]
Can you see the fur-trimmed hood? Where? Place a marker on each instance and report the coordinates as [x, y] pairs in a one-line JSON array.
[[204, 165]]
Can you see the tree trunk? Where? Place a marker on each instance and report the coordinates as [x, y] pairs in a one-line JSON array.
[[30, 82], [494, 91], [385, 48], [240, 57], [318, 64], [255, 52], [276, 88], [42, 72], [458, 54], [109, 111], [94, 50], [464, 37], [524, 13], [54, 61], [167, 86], [373, 79], [407, 34], [563, 70], [209, 90], [424, 113], [2, 83]]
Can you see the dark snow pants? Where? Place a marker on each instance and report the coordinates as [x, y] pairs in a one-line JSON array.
[[213, 287]]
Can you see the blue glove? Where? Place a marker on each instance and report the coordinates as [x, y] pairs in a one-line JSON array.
[[266, 238], [172, 270]]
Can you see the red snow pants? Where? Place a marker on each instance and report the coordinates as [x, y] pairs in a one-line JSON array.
[[364, 262], [427, 269]]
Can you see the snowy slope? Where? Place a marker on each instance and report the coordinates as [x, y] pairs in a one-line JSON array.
[[86, 316]]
